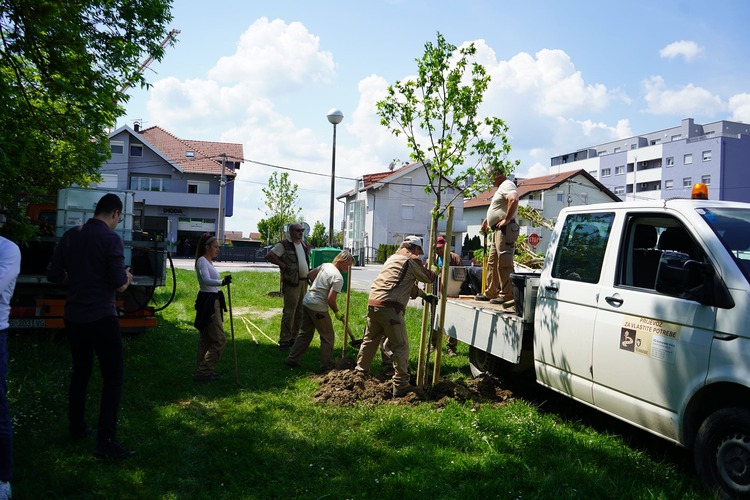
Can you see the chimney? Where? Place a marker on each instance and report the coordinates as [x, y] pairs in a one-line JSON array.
[[137, 126]]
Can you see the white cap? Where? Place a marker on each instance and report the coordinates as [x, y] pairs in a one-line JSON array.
[[414, 240]]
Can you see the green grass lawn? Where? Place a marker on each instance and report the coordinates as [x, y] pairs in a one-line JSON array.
[[266, 438]]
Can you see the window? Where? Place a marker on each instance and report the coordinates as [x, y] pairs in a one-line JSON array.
[[606, 172], [142, 183], [108, 181], [136, 150], [594, 173], [647, 265], [654, 142], [560, 196], [198, 187], [619, 190], [668, 184], [687, 182], [116, 147], [670, 161], [707, 155], [407, 212], [617, 150], [706, 179], [406, 183], [581, 250], [676, 137], [687, 159], [620, 170]]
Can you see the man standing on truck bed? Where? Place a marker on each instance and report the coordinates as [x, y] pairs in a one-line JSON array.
[[90, 259], [501, 219], [389, 294]]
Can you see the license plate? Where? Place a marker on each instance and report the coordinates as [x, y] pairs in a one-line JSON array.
[[26, 323]]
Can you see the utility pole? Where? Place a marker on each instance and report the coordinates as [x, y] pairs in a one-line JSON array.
[[222, 187]]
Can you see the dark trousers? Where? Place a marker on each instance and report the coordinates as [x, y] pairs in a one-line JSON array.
[[6, 430], [101, 337]]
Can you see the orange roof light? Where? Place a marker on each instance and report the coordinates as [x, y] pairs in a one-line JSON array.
[[700, 191]]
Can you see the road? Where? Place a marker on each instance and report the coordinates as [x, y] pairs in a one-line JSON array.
[[362, 276]]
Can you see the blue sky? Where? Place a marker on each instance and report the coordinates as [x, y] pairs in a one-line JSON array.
[[565, 75]]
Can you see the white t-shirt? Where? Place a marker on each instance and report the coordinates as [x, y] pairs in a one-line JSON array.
[[499, 204], [279, 250], [209, 278], [329, 278], [10, 267]]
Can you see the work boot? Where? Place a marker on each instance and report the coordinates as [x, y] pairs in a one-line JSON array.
[[409, 389], [482, 297], [291, 363], [452, 352]]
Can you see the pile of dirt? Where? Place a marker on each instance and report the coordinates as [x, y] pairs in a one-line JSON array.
[[347, 387]]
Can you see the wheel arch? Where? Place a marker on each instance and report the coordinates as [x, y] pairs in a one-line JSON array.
[[708, 400]]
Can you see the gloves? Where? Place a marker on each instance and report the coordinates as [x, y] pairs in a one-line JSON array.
[[227, 279], [435, 269], [339, 315], [430, 298]]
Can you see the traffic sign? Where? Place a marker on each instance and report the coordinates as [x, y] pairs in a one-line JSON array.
[[533, 239]]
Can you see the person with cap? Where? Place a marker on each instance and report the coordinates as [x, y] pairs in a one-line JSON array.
[[90, 258], [453, 260], [389, 294], [209, 307], [292, 255], [501, 219], [326, 285]]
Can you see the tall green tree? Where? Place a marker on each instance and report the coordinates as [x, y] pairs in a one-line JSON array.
[[319, 235], [281, 201], [64, 69], [439, 113]]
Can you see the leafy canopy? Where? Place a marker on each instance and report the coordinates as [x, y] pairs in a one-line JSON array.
[[281, 202], [439, 113], [64, 69]]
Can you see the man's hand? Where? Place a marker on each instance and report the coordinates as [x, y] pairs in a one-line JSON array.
[[227, 279], [435, 269], [339, 315], [430, 298]]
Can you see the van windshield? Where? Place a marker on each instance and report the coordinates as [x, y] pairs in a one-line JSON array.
[[732, 226]]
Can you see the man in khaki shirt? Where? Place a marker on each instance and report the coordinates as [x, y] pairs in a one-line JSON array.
[[389, 294]]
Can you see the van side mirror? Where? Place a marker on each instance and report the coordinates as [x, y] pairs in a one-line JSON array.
[[681, 276]]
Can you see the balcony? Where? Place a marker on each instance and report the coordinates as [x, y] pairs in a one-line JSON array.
[[163, 198]]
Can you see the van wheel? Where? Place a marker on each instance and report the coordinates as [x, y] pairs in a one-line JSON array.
[[483, 362], [722, 452]]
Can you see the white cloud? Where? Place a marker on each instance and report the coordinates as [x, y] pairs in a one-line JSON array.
[[686, 101], [275, 56], [739, 106], [686, 49]]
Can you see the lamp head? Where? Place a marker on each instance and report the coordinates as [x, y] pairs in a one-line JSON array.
[[335, 116]]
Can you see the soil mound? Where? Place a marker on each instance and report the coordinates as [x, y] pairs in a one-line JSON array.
[[347, 387]]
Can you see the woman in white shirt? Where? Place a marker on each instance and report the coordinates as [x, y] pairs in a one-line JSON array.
[[327, 283], [209, 304]]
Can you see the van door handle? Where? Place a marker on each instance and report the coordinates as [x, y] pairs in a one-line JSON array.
[[551, 288], [614, 301]]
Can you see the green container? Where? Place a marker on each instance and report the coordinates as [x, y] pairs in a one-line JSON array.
[[320, 256]]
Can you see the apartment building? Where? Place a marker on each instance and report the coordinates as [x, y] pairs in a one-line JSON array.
[[666, 163]]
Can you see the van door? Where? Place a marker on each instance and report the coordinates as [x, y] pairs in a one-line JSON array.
[[651, 349], [567, 304]]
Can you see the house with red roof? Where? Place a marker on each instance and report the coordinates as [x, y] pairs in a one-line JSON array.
[[177, 180], [548, 194], [384, 207]]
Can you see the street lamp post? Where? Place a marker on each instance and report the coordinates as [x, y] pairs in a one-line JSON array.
[[334, 116]]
